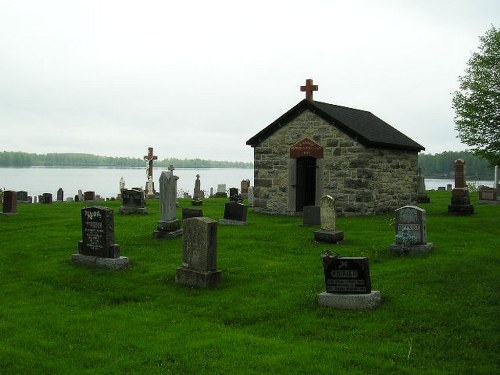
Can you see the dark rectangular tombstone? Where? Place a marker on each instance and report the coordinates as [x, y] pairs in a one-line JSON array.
[[311, 215], [199, 255], [22, 196], [347, 275], [9, 205], [234, 214], [188, 213], [98, 233], [46, 198], [133, 202], [60, 195], [234, 195], [89, 196], [98, 245]]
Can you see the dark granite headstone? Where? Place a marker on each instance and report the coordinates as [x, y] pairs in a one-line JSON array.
[[133, 202], [60, 195], [46, 198], [98, 233], [22, 196], [89, 196], [234, 213], [311, 215], [9, 205], [188, 213], [234, 196], [347, 275]]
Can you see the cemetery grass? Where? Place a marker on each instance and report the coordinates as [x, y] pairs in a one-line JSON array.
[[439, 313]]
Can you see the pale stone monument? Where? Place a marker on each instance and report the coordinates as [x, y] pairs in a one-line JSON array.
[[169, 225], [328, 232]]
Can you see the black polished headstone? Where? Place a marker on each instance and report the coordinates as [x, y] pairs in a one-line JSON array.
[[347, 275], [22, 196], [98, 233], [46, 198], [235, 211]]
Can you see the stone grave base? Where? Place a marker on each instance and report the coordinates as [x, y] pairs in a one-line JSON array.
[[232, 222], [196, 202], [168, 229], [484, 201], [368, 301], [332, 236], [197, 278], [8, 213], [397, 249], [124, 210], [111, 263], [461, 210]]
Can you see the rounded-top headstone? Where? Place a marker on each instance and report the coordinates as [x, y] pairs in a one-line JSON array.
[[327, 213]]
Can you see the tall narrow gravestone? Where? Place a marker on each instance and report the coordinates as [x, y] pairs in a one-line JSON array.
[[60, 195], [460, 198], [169, 225], [422, 196], [328, 232], [411, 231], [348, 284], [98, 248], [9, 205], [199, 255]]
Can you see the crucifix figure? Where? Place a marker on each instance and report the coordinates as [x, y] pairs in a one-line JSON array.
[[149, 158], [309, 88], [171, 168]]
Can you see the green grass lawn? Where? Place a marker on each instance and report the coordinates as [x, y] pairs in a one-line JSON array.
[[440, 312]]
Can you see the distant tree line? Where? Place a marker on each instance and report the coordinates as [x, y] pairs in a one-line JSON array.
[[23, 159], [443, 165]]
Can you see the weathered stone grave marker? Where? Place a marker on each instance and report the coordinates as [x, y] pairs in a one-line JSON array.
[[348, 284], [199, 255], [250, 196], [169, 225], [133, 202], [245, 184], [487, 195], [97, 247], [89, 196], [411, 231], [9, 204], [460, 198], [328, 231], [60, 195], [422, 196]]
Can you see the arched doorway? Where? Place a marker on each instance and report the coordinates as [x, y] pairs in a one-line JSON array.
[[305, 183]]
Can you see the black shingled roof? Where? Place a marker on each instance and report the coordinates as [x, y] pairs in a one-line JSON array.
[[364, 126]]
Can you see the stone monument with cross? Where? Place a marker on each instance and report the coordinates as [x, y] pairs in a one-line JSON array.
[[150, 189], [168, 226]]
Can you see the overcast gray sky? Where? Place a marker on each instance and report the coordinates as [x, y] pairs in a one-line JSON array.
[[197, 79]]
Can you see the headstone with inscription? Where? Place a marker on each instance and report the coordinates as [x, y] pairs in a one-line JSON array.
[[97, 247], [328, 231], [234, 214], [411, 231], [9, 204], [348, 284], [199, 255], [460, 198], [133, 202], [168, 226]]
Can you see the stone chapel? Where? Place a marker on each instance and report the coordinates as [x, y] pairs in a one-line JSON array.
[[318, 148]]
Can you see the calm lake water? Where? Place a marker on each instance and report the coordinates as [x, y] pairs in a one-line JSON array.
[[105, 181]]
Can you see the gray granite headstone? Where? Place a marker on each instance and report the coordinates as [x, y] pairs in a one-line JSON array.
[[411, 231], [169, 225], [199, 255], [133, 202], [311, 215], [60, 195]]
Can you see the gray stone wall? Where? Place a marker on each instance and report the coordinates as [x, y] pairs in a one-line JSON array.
[[362, 180]]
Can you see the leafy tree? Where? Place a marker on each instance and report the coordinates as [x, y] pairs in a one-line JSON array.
[[477, 102]]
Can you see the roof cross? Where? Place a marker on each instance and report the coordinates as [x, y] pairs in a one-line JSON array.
[[309, 88]]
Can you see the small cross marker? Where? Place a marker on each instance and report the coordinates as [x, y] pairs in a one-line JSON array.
[[309, 88]]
